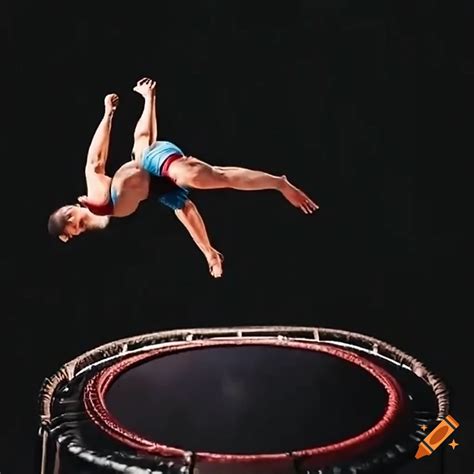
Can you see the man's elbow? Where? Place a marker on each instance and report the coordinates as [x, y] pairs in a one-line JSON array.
[[95, 166]]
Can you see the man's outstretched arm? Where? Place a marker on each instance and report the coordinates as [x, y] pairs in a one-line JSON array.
[[99, 147], [190, 217]]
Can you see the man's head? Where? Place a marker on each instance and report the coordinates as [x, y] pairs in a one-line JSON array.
[[69, 221]]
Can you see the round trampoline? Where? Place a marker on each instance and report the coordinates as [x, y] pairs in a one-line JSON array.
[[238, 400]]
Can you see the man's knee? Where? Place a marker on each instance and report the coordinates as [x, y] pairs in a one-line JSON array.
[[141, 140], [204, 176]]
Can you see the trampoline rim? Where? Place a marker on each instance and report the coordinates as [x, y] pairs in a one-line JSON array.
[[97, 386]]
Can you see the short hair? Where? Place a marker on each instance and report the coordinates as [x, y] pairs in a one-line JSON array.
[[57, 222]]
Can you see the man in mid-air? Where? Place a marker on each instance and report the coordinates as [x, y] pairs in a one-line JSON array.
[[158, 169]]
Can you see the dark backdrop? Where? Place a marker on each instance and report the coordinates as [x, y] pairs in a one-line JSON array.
[[362, 104]]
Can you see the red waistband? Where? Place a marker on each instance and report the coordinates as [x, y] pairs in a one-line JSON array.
[[100, 209], [165, 166]]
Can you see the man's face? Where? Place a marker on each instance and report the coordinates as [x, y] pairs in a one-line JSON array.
[[77, 218]]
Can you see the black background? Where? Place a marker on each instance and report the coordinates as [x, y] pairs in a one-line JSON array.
[[365, 105]]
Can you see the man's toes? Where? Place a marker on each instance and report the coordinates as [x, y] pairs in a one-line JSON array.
[[216, 273]]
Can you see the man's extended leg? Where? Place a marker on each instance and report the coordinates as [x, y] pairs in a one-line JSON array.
[[154, 119], [146, 129], [194, 173], [192, 220]]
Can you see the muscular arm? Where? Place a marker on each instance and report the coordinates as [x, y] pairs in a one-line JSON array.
[[99, 147], [190, 217]]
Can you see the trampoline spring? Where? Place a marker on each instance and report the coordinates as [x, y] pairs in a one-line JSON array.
[[400, 448], [423, 421], [420, 413], [390, 454], [71, 416], [416, 438], [189, 457], [65, 401]]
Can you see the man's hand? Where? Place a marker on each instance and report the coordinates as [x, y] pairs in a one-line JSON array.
[[111, 102], [145, 87]]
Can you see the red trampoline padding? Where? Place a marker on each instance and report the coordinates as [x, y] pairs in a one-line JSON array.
[[96, 389]]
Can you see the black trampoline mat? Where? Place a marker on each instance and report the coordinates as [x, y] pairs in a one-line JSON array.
[[246, 399]]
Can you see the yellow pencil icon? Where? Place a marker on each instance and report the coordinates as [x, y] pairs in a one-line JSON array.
[[436, 437]]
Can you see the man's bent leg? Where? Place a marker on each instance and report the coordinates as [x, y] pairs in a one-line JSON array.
[[192, 220]]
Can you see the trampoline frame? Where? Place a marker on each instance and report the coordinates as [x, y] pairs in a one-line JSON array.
[[116, 350]]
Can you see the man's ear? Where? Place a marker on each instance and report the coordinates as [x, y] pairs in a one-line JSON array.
[[63, 238], [68, 214]]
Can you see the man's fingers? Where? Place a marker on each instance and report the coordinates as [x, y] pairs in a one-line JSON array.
[[146, 81], [142, 81]]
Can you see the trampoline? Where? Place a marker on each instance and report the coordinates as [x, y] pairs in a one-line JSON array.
[[238, 400]]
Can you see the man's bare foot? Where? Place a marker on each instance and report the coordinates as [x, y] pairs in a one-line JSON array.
[[297, 197], [111, 102], [215, 260]]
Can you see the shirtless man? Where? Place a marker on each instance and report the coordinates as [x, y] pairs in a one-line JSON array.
[[134, 185], [155, 163]]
